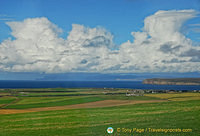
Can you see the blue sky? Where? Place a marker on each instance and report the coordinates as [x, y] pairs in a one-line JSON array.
[[120, 17], [112, 36]]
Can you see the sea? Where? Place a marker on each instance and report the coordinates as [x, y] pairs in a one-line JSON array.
[[92, 84]]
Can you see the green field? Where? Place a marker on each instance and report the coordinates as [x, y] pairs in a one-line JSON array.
[[175, 112]]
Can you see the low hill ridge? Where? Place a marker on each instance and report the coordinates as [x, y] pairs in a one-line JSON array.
[[172, 81]]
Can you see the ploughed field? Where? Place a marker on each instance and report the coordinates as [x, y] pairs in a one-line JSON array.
[[90, 111]]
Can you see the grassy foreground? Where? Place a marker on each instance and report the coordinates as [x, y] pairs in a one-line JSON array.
[[181, 113]]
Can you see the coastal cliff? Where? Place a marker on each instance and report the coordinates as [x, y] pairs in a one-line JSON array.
[[173, 81]]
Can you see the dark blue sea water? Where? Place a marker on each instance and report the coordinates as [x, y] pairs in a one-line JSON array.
[[93, 84]]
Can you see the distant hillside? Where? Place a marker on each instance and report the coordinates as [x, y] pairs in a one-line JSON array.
[[173, 81]]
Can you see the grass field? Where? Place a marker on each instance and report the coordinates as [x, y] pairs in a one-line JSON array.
[[138, 116]]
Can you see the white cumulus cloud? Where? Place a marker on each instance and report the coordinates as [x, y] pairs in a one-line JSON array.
[[160, 47]]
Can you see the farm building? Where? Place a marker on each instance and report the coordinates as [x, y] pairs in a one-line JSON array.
[[136, 92]]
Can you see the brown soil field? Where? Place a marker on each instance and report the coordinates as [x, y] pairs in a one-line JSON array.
[[104, 103]]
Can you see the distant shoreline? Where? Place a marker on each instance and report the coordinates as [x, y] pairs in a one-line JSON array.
[[172, 81]]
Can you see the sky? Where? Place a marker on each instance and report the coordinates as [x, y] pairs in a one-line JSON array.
[[39, 37]]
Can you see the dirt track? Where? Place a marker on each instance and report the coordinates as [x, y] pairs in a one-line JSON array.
[[104, 103]]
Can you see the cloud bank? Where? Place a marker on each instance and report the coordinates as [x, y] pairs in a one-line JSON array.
[[159, 47]]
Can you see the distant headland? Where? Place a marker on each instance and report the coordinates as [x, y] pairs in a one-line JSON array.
[[172, 81]]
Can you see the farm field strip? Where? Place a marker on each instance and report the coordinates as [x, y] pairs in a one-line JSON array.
[[104, 103], [173, 95]]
